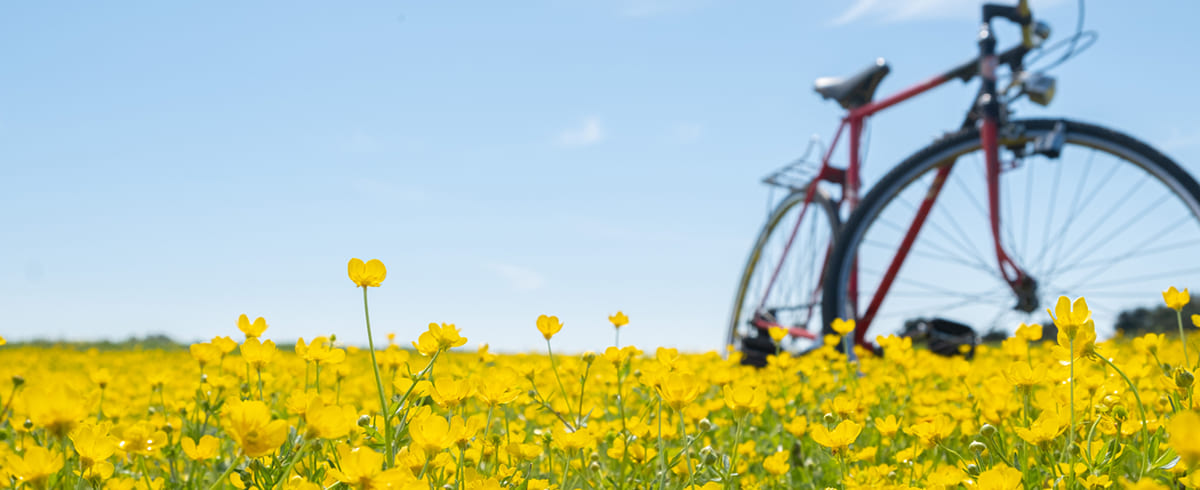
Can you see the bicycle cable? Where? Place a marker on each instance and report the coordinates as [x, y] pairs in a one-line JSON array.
[[1076, 44]]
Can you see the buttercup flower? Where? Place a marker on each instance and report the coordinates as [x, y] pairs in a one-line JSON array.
[[548, 325], [840, 437], [202, 450], [249, 424], [842, 327], [1176, 299], [370, 274], [252, 330], [618, 320]]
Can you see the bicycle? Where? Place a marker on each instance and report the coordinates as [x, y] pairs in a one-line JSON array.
[[974, 259]]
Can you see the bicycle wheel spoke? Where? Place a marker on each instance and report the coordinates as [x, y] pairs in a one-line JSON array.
[[1099, 219], [1076, 205], [1118, 229], [1141, 249]]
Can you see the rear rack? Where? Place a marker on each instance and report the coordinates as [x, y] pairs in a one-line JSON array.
[[797, 174]]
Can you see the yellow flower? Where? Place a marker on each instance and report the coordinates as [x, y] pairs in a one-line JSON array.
[[841, 437], [2, 341], [1047, 426], [572, 441], [252, 330], [57, 410], [1176, 299], [548, 325], [887, 426], [224, 344], [93, 442], [1029, 333], [797, 426], [329, 422], [618, 320], [362, 468], [143, 438], [1183, 429], [1070, 318], [35, 467], [101, 377], [1000, 477], [1023, 376], [932, 431], [777, 464], [204, 449], [1075, 327], [205, 353], [370, 274], [499, 388], [249, 424], [1149, 343], [843, 327], [431, 433], [438, 338], [777, 333], [449, 392], [742, 398], [258, 354], [680, 389], [1196, 321], [320, 351]]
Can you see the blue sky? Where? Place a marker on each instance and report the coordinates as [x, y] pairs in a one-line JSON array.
[[167, 166]]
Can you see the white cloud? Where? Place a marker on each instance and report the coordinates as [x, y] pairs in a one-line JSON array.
[[588, 133], [906, 10], [519, 278]]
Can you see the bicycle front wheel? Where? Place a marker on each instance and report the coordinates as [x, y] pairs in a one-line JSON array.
[[1108, 218], [781, 284]]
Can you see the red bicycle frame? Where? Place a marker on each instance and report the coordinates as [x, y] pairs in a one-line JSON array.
[[849, 178]]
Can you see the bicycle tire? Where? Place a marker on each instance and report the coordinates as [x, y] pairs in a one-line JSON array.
[[1078, 137], [772, 230]]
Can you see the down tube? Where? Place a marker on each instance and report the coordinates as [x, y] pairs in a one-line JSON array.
[[905, 245]]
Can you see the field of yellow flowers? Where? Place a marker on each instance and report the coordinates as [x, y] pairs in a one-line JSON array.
[[1069, 412]]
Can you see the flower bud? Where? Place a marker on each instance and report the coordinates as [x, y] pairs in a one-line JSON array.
[[706, 425], [977, 447], [589, 357], [988, 430], [17, 381], [364, 420], [973, 470], [1183, 378], [1120, 413], [830, 418], [28, 424], [595, 466]]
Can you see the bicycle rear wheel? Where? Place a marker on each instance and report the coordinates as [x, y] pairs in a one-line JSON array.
[[781, 283], [1110, 219]]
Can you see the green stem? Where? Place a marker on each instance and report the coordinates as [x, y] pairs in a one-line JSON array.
[[1141, 407], [383, 406], [1183, 338], [554, 367], [737, 441], [662, 454], [228, 471], [686, 456], [287, 470]]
